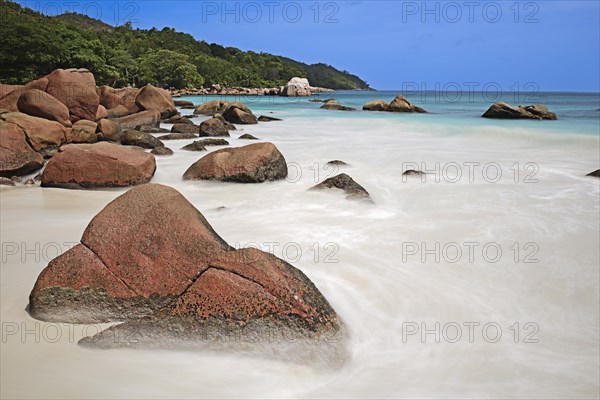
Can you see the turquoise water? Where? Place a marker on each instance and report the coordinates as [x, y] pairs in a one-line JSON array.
[[578, 113]]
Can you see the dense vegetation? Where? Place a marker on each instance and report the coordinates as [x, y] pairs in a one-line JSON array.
[[34, 45]]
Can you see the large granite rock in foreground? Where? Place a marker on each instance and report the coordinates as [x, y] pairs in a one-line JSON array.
[[248, 164], [151, 254], [142, 251], [16, 156], [501, 110], [98, 165]]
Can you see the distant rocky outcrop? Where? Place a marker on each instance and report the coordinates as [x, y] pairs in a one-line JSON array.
[[376, 105], [334, 105], [501, 110], [98, 165], [399, 104], [248, 164], [344, 182], [296, 87]]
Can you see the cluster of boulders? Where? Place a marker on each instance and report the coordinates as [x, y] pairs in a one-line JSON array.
[[399, 104], [151, 260], [332, 104], [65, 107], [295, 87], [80, 129], [501, 110]]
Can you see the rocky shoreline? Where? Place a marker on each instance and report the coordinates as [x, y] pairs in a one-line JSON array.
[[150, 259], [295, 87]]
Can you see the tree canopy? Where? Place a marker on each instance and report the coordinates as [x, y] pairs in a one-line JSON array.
[[35, 45]]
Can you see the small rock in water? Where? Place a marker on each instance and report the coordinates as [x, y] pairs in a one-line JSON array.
[[596, 173], [412, 172], [337, 162], [195, 146], [162, 151], [265, 118], [29, 182], [214, 142], [248, 136], [254, 163], [16, 179], [185, 128], [178, 136], [152, 129], [353, 190]]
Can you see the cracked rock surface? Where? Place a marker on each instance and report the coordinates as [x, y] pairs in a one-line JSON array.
[[151, 259]]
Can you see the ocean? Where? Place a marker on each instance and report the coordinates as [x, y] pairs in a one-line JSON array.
[[478, 280]]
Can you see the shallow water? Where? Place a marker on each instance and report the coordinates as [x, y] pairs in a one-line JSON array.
[[375, 264]]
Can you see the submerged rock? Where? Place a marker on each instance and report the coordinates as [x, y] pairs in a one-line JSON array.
[[265, 118], [412, 172], [195, 146], [247, 136], [214, 142], [151, 259], [178, 136], [338, 163], [501, 110], [344, 182], [162, 151], [248, 164], [334, 105], [98, 165]]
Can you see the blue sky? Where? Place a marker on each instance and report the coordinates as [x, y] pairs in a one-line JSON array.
[[549, 45]]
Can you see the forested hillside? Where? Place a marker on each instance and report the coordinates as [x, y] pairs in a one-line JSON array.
[[34, 45]]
